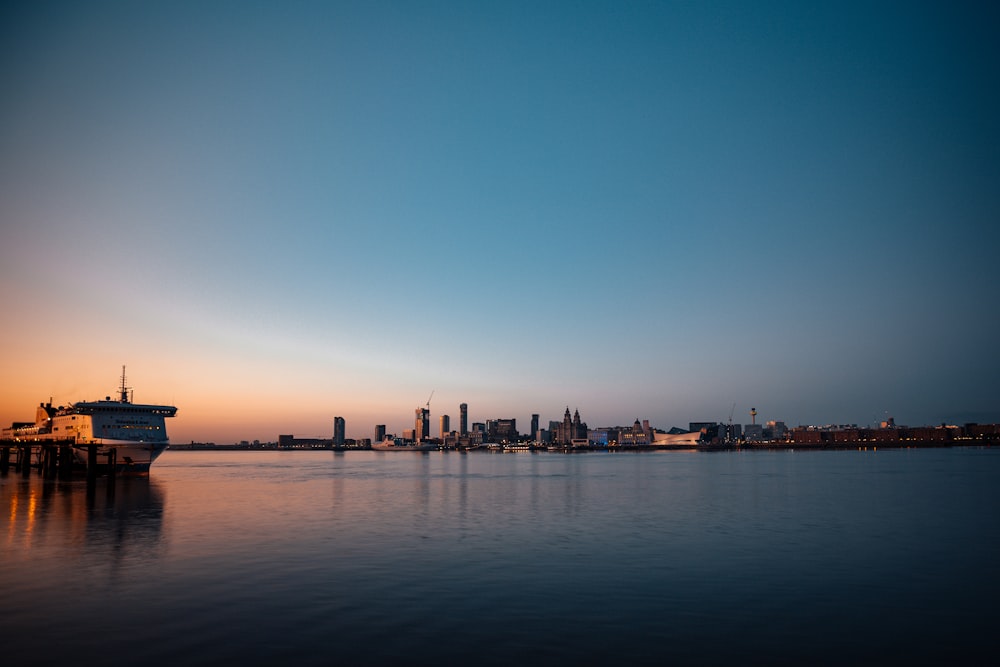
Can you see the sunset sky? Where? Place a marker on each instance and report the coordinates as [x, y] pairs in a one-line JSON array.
[[280, 212]]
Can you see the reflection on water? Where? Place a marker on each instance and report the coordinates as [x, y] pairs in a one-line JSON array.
[[104, 528], [310, 558]]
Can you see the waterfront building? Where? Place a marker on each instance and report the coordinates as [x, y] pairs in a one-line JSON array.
[[445, 425], [571, 431], [422, 423], [534, 428], [478, 427], [463, 420], [501, 430], [775, 430], [338, 431], [753, 432], [379, 432], [734, 432], [599, 436], [636, 436]]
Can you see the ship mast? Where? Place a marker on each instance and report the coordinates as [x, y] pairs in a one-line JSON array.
[[124, 389]]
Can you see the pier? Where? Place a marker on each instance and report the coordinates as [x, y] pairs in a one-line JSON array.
[[54, 459]]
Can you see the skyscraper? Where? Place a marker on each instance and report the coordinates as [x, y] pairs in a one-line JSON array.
[[445, 425], [379, 432], [422, 424], [338, 431], [463, 423], [534, 427]]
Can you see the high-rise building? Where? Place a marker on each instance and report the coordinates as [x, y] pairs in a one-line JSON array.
[[422, 424], [379, 432], [463, 421], [501, 430], [338, 431], [445, 425], [534, 428]]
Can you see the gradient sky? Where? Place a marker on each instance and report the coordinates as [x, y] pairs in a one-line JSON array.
[[279, 212]]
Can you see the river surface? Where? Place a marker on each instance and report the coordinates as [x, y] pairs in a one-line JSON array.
[[689, 558]]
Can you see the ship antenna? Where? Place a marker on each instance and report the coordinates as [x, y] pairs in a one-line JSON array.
[[124, 389]]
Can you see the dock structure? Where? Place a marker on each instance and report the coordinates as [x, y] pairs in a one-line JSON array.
[[54, 459]]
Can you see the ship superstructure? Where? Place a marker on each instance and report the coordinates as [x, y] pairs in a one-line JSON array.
[[137, 431]]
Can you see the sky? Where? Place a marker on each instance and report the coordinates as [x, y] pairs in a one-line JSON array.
[[275, 213]]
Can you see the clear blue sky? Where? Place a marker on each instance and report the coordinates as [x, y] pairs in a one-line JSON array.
[[276, 213]]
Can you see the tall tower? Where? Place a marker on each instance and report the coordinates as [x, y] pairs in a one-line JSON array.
[[445, 425], [463, 421], [534, 427], [422, 424], [753, 415], [338, 431], [379, 432]]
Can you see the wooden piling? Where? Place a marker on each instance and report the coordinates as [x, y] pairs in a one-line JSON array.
[[112, 470], [47, 465], [91, 462], [25, 460], [65, 461], [4, 459]]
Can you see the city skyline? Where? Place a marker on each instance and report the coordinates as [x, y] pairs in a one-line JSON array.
[[278, 215]]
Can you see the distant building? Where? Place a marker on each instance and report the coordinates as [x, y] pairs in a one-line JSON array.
[[753, 432], [709, 430], [501, 430], [598, 436], [338, 431], [463, 420], [291, 442], [571, 431], [445, 425], [422, 424], [734, 432], [534, 428], [379, 432], [636, 436]]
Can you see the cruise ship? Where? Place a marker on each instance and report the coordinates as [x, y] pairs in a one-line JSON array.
[[136, 431]]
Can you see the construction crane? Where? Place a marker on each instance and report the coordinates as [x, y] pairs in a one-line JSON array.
[[429, 399]]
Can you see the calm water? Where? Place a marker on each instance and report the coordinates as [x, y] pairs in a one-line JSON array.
[[317, 558]]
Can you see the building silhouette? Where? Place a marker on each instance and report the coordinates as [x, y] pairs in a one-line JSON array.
[[534, 428], [571, 431], [338, 431], [501, 430], [463, 420], [422, 424], [445, 425], [379, 432]]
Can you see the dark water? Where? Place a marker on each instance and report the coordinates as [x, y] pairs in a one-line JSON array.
[[316, 558]]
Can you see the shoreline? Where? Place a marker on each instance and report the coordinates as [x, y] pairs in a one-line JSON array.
[[759, 446]]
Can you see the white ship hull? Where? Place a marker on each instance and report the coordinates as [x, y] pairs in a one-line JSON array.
[[131, 458]]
